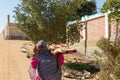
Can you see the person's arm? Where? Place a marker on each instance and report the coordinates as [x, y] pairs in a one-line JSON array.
[[70, 51], [34, 62], [64, 52], [61, 55], [61, 59]]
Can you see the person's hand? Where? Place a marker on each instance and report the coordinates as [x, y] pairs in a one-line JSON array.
[[57, 52], [35, 50]]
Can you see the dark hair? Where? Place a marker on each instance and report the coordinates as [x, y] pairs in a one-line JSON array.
[[34, 55]]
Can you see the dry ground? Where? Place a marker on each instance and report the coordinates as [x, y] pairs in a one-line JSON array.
[[13, 64]]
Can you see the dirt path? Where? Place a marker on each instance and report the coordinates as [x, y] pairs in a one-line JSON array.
[[13, 63]]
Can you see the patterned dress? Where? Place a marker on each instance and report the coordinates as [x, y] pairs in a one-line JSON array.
[[48, 66]]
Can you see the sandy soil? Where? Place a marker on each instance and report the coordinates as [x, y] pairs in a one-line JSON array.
[[13, 64]]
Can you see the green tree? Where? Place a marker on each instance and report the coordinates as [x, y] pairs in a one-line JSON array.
[[47, 19], [113, 8]]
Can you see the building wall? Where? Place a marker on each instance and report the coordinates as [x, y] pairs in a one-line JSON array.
[[96, 28], [114, 31], [13, 28], [12, 32]]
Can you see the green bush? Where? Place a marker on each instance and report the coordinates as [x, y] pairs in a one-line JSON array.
[[110, 63]]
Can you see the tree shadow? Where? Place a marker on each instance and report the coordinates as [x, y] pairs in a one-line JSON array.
[[82, 66]]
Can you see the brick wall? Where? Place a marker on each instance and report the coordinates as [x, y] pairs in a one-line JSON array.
[[114, 31], [96, 28]]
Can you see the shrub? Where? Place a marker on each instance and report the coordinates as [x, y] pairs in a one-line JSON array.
[[110, 63]]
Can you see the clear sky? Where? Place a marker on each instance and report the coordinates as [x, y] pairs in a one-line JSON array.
[[7, 7]]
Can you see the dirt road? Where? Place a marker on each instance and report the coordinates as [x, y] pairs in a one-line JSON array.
[[13, 64]]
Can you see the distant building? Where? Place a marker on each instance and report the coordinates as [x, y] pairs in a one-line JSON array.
[[11, 32]]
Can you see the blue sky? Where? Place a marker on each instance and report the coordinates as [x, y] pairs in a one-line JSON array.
[[7, 7]]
